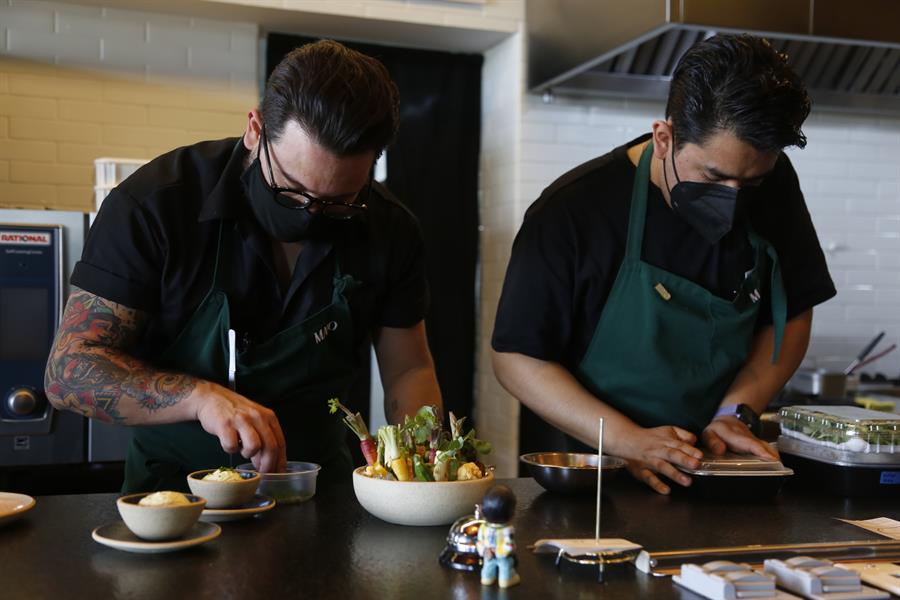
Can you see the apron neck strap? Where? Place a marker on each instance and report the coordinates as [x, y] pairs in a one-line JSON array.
[[343, 283], [779, 302], [777, 293], [638, 211]]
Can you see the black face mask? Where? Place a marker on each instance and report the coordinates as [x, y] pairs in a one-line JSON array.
[[282, 223], [707, 207]]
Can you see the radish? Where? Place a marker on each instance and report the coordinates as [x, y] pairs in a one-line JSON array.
[[356, 423]]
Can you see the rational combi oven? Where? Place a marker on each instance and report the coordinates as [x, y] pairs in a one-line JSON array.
[[31, 303], [38, 250]]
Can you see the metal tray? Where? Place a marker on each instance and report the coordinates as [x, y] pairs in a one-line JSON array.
[[737, 465], [732, 477]]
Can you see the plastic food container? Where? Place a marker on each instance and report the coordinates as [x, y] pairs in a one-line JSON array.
[[296, 484], [848, 428], [737, 476], [845, 450]]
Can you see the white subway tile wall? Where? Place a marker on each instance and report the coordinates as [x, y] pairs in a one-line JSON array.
[[850, 174]]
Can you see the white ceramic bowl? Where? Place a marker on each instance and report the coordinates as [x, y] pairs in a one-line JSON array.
[[224, 494], [296, 484], [159, 522], [419, 502]]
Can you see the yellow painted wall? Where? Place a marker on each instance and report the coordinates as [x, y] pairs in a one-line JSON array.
[[55, 121]]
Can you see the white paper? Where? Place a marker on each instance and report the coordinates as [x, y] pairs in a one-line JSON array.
[[885, 526], [582, 546]]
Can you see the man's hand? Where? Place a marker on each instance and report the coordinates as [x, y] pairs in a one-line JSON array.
[[659, 450], [728, 433], [241, 425]]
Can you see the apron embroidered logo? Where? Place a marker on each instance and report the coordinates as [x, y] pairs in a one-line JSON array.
[[321, 334]]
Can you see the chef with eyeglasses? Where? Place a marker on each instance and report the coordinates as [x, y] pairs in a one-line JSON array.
[[279, 240]]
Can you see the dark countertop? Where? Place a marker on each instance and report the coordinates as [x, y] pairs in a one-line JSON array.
[[330, 547]]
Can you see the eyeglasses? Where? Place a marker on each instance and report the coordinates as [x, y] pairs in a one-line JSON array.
[[300, 200]]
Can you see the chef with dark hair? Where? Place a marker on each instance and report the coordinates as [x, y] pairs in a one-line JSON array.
[[274, 251], [668, 285]]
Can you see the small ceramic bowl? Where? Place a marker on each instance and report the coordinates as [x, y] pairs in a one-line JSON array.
[[296, 484], [224, 494], [419, 502], [159, 522]]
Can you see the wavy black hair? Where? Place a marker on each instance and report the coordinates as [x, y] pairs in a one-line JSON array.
[[344, 100], [737, 83]]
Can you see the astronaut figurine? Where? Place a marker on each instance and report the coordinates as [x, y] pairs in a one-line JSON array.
[[496, 543]]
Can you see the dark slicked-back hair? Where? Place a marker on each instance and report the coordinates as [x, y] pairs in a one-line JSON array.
[[737, 83], [499, 505], [344, 100]]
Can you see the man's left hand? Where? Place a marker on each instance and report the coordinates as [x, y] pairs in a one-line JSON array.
[[728, 433]]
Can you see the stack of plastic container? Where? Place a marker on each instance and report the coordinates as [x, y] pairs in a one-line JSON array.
[[845, 449]]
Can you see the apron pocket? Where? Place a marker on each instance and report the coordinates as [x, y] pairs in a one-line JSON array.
[[682, 333]]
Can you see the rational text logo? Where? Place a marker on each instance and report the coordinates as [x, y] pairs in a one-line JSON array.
[[24, 238]]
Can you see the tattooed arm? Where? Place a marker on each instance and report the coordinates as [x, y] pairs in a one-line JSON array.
[[91, 371]]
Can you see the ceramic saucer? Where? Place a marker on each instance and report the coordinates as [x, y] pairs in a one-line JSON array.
[[117, 535], [258, 505], [13, 506]]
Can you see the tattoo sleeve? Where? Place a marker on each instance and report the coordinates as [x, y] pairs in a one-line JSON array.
[[90, 370]]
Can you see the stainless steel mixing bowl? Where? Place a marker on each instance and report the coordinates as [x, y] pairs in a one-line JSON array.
[[570, 472]]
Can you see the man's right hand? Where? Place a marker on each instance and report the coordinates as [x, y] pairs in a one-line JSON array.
[[659, 450], [241, 426]]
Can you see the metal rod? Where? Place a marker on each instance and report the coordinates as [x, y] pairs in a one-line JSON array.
[[875, 357], [232, 360], [669, 561], [862, 355], [599, 479], [599, 490], [232, 368]]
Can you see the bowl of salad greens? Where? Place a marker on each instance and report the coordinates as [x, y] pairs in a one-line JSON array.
[[419, 473]]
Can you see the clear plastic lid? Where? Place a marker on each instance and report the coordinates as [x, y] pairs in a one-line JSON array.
[[847, 428], [730, 464]]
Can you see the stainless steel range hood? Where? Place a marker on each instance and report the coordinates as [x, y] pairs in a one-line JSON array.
[[848, 53]]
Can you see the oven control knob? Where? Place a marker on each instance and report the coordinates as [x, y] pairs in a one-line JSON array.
[[22, 402]]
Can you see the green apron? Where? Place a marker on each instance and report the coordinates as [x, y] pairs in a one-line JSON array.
[[666, 349], [294, 373]]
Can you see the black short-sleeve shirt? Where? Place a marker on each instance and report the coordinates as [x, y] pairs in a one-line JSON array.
[[152, 247], [568, 251]]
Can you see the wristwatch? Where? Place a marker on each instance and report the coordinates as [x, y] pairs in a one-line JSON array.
[[744, 414]]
